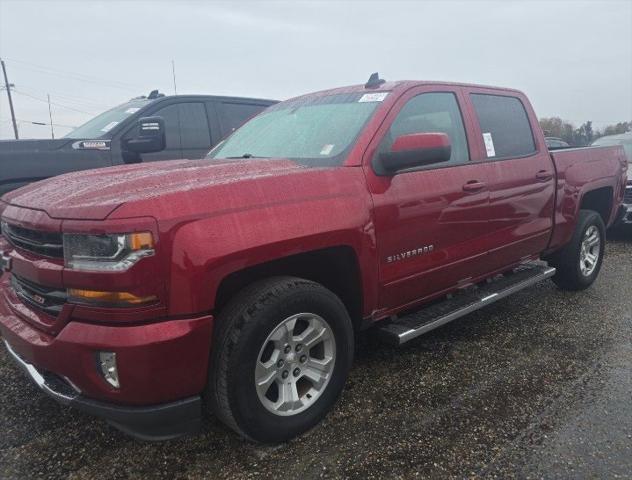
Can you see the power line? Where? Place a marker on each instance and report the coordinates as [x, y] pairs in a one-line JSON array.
[[60, 105], [79, 101], [75, 76]]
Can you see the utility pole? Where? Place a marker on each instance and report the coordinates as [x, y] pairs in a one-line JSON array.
[[8, 87], [173, 71], [50, 115]]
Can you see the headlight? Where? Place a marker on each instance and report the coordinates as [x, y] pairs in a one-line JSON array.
[[107, 253]]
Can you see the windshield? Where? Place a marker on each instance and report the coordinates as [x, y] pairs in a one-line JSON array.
[[102, 124], [316, 131]]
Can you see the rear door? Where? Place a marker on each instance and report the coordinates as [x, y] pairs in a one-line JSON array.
[[521, 175], [429, 221]]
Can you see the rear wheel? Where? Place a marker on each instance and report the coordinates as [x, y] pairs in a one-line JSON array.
[[579, 262], [280, 359]]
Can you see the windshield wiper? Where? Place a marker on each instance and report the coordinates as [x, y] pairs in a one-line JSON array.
[[247, 155]]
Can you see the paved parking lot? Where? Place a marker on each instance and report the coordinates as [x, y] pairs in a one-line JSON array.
[[539, 385]]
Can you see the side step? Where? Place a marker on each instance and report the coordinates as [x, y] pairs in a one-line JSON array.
[[417, 323]]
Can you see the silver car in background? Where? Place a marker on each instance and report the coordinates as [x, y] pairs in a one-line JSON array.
[[625, 140]]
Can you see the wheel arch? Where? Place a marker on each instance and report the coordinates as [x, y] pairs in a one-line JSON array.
[[337, 268]]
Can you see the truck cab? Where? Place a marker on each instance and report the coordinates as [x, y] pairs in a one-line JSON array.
[[191, 126]]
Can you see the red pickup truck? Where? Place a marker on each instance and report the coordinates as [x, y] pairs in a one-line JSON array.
[[151, 295]]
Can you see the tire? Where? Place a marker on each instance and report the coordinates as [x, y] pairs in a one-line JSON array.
[[242, 342], [570, 274]]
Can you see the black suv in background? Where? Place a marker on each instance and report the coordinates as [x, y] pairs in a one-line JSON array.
[[145, 129]]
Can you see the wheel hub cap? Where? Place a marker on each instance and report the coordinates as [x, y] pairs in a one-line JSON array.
[[289, 382], [590, 251]]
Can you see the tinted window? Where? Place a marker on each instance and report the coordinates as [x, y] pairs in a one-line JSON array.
[[431, 112], [170, 115], [234, 115], [505, 121], [194, 128]]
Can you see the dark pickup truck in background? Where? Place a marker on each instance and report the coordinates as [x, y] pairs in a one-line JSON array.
[[192, 125]]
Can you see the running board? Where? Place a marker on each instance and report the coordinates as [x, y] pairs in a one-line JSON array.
[[417, 323]]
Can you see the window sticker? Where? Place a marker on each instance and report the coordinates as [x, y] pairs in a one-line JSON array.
[[132, 110], [109, 126], [373, 97], [326, 150], [489, 144]]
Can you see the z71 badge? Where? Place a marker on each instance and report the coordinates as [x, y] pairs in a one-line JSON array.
[[410, 253]]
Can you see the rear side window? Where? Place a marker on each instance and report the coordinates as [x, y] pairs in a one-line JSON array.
[[505, 126], [234, 115]]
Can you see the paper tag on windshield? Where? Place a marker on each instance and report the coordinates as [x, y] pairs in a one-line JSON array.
[[109, 126], [373, 97], [326, 150], [132, 110], [489, 144]]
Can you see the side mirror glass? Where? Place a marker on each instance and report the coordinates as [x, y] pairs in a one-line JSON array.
[[149, 138], [415, 150]]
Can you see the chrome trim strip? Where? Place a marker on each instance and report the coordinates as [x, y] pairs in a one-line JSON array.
[[38, 379]]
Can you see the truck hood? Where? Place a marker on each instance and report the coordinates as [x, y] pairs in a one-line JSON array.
[[95, 194], [32, 146]]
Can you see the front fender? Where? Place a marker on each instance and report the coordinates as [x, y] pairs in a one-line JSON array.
[[205, 251]]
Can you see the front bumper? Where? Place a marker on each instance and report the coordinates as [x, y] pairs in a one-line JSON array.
[[162, 367], [158, 422]]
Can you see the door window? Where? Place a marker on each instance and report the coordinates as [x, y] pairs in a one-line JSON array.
[[436, 112], [170, 115], [194, 129], [505, 126]]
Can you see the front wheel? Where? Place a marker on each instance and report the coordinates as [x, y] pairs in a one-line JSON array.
[[579, 262], [280, 359]]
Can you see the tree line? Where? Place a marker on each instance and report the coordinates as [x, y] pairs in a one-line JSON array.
[[582, 135]]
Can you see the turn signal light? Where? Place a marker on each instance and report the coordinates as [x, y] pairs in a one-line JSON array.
[[120, 299]]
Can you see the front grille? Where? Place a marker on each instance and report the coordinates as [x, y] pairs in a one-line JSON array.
[[38, 297], [47, 244], [627, 199]]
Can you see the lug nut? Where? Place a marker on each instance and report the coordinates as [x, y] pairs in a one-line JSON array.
[[297, 372], [299, 347], [303, 358], [287, 349], [280, 363], [285, 374]]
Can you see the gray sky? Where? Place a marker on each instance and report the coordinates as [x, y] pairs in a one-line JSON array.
[[572, 58]]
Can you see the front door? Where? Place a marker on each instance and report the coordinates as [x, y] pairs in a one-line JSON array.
[[430, 221]]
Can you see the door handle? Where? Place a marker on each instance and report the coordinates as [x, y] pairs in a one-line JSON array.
[[544, 175], [473, 186]]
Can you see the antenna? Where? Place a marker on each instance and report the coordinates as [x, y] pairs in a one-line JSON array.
[[374, 81], [173, 71], [50, 115]]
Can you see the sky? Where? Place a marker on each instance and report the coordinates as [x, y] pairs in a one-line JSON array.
[[572, 58]]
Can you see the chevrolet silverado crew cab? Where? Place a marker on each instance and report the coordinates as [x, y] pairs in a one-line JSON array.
[[190, 125], [152, 295]]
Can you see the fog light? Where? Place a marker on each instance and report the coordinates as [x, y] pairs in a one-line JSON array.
[[109, 370]]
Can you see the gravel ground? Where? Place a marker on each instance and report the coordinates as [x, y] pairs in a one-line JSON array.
[[536, 386]]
